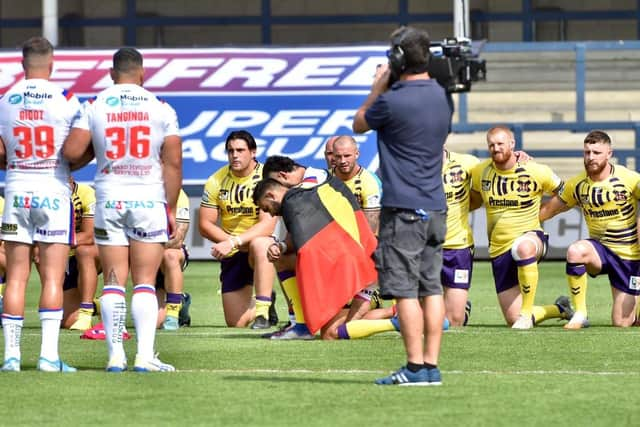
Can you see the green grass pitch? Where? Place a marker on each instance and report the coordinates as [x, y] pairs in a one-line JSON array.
[[492, 376]]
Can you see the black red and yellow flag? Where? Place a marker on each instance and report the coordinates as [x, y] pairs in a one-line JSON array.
[[334, 246]]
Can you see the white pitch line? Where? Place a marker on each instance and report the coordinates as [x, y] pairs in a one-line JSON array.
[[372, 372]]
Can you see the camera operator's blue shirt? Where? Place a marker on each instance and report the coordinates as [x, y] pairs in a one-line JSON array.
[[413, 120]]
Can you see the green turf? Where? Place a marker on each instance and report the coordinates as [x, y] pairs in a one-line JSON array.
[[493, 376]]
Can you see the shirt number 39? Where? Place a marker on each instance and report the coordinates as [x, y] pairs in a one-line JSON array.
[[37, 140], [134, 141]]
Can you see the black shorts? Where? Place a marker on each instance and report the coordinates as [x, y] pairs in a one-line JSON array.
[[71, 275]]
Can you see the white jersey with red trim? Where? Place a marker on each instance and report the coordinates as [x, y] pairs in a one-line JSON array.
[[35, 119], [128, 125]]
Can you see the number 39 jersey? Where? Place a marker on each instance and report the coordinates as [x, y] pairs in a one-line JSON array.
[[35, 118], [128, 125]]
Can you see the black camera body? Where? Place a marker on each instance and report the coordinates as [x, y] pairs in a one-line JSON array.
[[454, 64]]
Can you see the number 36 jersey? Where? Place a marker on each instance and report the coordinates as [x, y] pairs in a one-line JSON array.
[[35, 118], [128, 125]]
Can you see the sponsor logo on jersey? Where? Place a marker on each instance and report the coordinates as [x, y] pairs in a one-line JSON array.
[[100, 233], [37, 95], [36, 202], [15, 99], [129, 204], [9, 228], [112, 101], [132, 100], [153, 233], [45, 232]]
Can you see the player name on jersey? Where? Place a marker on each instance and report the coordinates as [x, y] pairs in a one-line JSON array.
[[127, 116], [31, 115]]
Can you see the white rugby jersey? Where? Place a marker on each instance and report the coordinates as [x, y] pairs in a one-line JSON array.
[[128, 125], [35, 119]]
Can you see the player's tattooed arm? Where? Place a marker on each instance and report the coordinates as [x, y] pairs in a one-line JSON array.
[[373, 218]]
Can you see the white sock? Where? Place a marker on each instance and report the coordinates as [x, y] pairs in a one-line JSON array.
[[144, 309], [113, 308], [50, 320], [12, 328]]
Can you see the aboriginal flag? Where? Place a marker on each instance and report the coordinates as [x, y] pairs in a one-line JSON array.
[[334, 246]]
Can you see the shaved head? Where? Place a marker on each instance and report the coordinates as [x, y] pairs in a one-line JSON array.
[[328, 152], [345, 156]]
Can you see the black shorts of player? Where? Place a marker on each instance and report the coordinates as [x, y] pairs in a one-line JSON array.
[[505, 268], [71, 275], [160, 275], [409, 253], [235, 272]]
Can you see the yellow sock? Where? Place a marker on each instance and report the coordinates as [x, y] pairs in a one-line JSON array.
[[363, 328], [578, 289], [173, 310], [262, 308], [290, 287], [1, 289], [544, 312], [577, 279], [528, 279]]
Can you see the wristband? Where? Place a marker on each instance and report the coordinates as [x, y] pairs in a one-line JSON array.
[[236, 242]]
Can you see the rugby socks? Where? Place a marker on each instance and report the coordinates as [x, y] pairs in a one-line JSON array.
[[544, 312], [282, 276], [577, 278], [86, 309], [12, 328], [363, 328], [262, 306], [173, 304], [1, 288], [290, 287], [528, 280], [114, 313], [50, 320], [144, 309]]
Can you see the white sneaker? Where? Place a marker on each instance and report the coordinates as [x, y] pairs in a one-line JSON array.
[[523, 322], [152, 365], [46, 365], [117, 364], [12, 364], [578, 321]]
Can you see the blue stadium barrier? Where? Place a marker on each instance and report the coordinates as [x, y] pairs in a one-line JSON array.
[[580, 124], [528, 15]]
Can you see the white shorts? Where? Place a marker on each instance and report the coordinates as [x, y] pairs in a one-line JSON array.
[[38, 216], [117, 221]]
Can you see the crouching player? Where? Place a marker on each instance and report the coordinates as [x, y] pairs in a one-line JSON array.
[[173, 304], [81, 277]]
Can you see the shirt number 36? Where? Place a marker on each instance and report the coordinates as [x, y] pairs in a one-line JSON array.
[[134, 141]]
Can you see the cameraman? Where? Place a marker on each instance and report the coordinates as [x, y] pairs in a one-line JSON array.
[[410, 112]]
